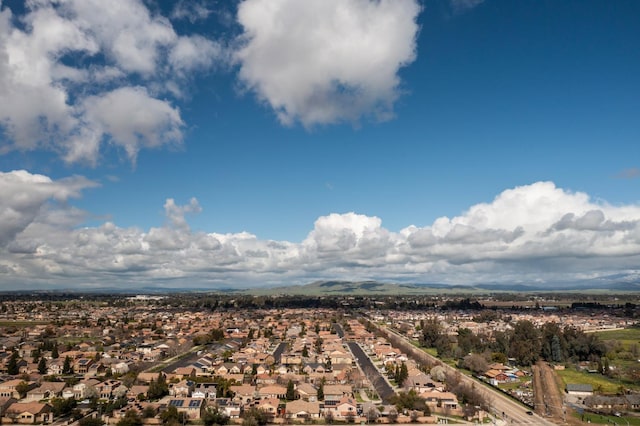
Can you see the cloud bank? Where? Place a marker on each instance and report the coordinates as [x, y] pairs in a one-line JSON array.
[[532, 233]]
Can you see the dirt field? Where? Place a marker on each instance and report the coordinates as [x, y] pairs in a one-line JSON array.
[[547, 394]]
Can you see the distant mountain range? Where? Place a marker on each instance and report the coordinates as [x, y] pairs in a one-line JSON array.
[[326, 288], [619, 283]]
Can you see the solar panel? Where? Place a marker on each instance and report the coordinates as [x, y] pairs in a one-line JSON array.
[[176, 402], [194, 403]]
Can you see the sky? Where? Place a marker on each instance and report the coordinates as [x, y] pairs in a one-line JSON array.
[[249, 143]]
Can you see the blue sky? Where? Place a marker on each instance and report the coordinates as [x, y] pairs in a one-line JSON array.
[[342, 132]]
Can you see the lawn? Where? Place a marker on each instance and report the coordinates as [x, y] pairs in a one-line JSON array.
[[570, 375], [514, 385], [610, 420], [624, 334]]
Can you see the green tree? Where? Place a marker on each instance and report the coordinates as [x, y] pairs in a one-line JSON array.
[[12, 365], [409, 401], [321, 390], [525, 343], [291, 393], [431, 331], [22, 388], [54, 351], [254, 417], [213, 416], [172, 416], [90, 421], [62, 406], [67, 368], [131, 418], [158, 388], [148, 412], [42, 366]]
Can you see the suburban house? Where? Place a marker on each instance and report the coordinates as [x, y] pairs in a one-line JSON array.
[[191, 407], [28, 413], [301, 409], [204, 391]]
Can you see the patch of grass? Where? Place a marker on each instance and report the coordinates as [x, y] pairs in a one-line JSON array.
[[624, 334], [597, 381], [604, 419], [514, 385], [431, 351]]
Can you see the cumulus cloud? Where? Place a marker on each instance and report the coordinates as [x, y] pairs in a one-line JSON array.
[[25, 196], [326, 61], [65, 77], [537, 232]]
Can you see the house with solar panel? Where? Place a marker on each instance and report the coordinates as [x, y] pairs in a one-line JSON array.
[[190, 406]]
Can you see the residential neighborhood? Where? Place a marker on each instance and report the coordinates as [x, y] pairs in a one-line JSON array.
[[140, 357]]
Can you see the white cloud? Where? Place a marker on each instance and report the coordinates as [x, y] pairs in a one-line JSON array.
[[25, 196], [530, 233], [133, 119], [65, 72], [326, 61], [464, 5], [190, 10]]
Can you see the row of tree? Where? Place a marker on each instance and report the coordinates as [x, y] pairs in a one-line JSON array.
[[524, 342]]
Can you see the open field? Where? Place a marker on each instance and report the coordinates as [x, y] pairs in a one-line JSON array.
[[627, 336], [598, 381], [610, 420]]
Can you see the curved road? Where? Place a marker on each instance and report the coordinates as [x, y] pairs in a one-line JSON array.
[[514, 413]]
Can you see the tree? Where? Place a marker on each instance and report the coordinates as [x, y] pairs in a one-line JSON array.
[[67, 368], [372, 415], [431, 331], [410, 401], [438, 373], [525, 343], [291, 392], [148, 412], [328, 417], [22, 388], [476, 363], [213, 416], [393, 415], [62, 406], [131, 418], [400, 374], [253, 417], [90, 421], [12, 365], [171, 416], [54, 351], [158, 388], [42, 366], [321, 390]]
